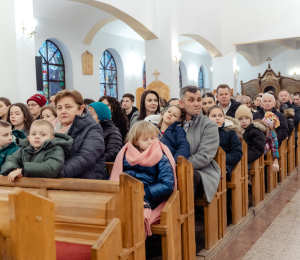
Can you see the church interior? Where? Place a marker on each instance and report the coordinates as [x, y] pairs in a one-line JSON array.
[[110, 48]]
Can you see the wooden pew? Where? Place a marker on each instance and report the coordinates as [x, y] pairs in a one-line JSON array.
[[215, 213], [282, 161], [298, 148], [271, 175], [84, 210], [239, 187], [26, 226], [177, 223], [258, 180], [291, 147]]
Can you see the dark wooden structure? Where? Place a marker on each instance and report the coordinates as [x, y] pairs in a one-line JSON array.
[[268, 80]]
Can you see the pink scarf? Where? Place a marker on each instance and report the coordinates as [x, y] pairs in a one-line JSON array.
[[148, 158]]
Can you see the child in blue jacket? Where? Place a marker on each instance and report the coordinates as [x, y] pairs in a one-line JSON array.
[[173, 135], [229, 140]]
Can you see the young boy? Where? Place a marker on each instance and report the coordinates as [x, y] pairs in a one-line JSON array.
[[43, 157], [255, 133], [7, 146]]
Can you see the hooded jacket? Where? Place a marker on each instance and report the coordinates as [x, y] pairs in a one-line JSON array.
[[45, 162], [122, 128], [255, 137], [292, 114], [113, 140], [134, 112], [86, 158], [175, 139], [231, 144], [282, 130]]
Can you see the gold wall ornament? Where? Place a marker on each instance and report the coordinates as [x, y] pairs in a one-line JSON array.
[[87, 63], [269, 78]]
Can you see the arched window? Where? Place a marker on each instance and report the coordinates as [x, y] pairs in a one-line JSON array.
[[144, 75], [53, 69], [180, 78], [200, 79], [108, 75]]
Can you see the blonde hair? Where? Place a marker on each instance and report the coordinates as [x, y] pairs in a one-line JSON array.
[[45, 123], [142, 128]]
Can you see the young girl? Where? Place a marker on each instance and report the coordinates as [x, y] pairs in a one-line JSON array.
[[174, 137], [229, 140], [20, 117], [255, 133], [151, 162], [272, 122], [49, 113], [208, 100]]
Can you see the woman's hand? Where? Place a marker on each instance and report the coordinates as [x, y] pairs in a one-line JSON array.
[[15, 173]]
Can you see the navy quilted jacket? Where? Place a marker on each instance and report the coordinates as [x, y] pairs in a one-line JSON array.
[[158, 180]]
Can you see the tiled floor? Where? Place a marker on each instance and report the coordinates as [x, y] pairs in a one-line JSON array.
[[272, 234]]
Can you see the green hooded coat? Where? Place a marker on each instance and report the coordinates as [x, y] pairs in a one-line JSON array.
[[46, 162]]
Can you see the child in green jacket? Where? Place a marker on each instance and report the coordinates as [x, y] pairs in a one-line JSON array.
[[7, 146], [43, 157]]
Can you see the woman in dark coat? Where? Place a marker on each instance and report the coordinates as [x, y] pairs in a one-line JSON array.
[[118, 114], [229, 140], [86, 158], [112, 136]]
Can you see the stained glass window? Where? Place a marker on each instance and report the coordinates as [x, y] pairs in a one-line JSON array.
[[200, 79], [180, 78], [108, 75], [53, 69], [144, 75]]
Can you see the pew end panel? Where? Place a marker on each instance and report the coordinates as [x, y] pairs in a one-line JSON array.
[[291, 147], [271, 174], [298, 148], [26, 226], [282, 161]]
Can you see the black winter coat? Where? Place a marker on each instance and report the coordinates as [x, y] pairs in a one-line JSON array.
[[122, 127], [232, 146], [293, 118], [234, 106], [113, 140], [86, 158], [255, 138], [282, 130]]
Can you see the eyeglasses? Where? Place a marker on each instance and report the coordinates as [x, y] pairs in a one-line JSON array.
[[32, 105]]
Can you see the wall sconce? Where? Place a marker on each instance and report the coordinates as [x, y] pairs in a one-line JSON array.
[[211, 69], [178, 57], [236, 70], [28, 32]]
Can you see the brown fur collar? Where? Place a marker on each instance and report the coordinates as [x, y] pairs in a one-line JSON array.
[[261, 126], [234, 125], [289, 112]]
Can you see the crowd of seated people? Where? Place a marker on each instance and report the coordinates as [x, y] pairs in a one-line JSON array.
[[73, 137]]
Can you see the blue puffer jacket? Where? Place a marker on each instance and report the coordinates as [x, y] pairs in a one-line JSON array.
[[175, 139], [158, 180], [232, 146]]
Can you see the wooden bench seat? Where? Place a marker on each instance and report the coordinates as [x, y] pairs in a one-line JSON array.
[[298, 148], [85, 209], [257, 174], [271, 174], [291, 147], [215, 213], [26, 226], [282, 161]]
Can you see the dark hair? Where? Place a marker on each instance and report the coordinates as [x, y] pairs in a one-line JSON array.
[[297, 94], [130, 96], [28, 117], [189, 88], [270, 88], [213, 107], [163, 103], [168, 104], [223, 86], [206, 95], [255, 97], [69, 93], [117, 113], [165, 110], [6, 101], [142, 106], [88, 101]]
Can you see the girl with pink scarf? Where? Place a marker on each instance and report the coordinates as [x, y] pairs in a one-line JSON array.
[[152, 163]]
